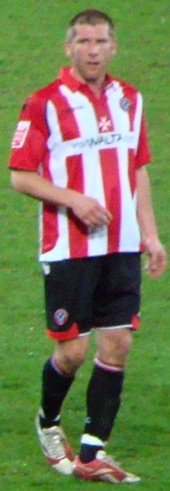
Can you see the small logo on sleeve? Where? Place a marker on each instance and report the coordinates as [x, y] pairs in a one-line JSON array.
[[20, 134]]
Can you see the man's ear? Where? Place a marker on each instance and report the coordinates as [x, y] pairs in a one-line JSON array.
[[114, 47], [67, 49]]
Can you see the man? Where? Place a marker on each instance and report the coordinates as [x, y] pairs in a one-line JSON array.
[[80, 147]]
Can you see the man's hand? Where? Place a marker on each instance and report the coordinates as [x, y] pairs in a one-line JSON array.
[[157, 258], [89, 211]]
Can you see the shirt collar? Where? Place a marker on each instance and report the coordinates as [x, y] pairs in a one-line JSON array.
[[74, 84]]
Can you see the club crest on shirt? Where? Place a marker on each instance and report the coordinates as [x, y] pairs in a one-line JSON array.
[[124, 104], [60, 317], [20, 134]]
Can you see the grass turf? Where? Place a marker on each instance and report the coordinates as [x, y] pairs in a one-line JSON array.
[[32, 35]]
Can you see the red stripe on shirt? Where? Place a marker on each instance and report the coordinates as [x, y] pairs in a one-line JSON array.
[[110, 174], [69, 129]]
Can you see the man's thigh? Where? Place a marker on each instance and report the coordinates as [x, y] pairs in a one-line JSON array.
[[69, 289], [117, 298]]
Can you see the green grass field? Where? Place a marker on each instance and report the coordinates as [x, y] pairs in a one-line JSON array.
[[32, 35]]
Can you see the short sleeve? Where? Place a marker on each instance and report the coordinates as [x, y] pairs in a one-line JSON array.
[[29, 140], [143, 155]]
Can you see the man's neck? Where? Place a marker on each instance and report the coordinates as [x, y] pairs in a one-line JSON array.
[[96, 86]]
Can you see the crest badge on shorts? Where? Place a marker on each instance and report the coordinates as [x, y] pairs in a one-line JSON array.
[[60, 317]]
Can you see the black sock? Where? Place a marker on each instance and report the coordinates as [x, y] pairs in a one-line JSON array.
[[88, 452], [54, 389], [103, 401]]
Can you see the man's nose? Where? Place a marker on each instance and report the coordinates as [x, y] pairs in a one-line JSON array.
[[93, 49]]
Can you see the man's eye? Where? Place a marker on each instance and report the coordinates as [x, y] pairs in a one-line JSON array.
[[83, 41], [101, 41]]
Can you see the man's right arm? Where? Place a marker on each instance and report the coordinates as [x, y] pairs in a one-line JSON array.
[[88, 210]]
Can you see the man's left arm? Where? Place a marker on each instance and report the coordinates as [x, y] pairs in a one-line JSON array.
[[157, 259]]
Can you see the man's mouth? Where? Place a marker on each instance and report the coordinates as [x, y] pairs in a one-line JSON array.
[[93, 63]]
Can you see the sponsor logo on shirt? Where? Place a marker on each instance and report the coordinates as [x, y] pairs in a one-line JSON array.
[[20, 134], [105, 140], [98, 142]]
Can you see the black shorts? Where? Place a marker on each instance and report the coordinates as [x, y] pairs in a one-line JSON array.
[[83, 293]]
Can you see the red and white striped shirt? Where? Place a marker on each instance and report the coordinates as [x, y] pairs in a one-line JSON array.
[[90, 145]]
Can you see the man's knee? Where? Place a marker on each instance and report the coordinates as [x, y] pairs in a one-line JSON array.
[[69, 355], [114, 345]]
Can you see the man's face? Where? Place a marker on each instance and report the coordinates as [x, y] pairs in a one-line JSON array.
[[90, 50]]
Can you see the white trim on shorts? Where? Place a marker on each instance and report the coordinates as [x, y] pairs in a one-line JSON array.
[[109, 328], [84, 334]]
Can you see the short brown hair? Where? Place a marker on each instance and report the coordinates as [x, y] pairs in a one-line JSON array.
[[92, 17]]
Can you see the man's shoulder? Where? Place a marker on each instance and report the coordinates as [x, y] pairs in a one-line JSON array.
[[46, 92], [36, 102], [126, 92], [125, 85], [34, 106]]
